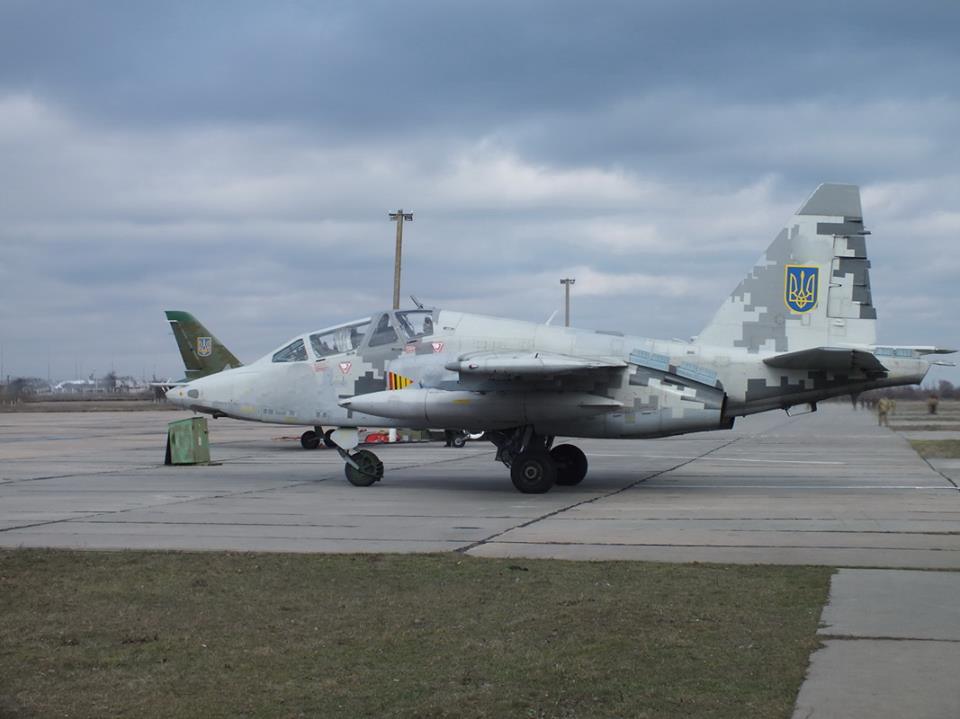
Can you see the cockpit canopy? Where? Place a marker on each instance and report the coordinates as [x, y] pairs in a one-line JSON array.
[[383, 329], [339, 339]]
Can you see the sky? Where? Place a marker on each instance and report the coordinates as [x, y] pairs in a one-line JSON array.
[[238, 160]]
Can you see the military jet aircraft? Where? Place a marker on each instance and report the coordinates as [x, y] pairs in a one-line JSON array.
[[203, 354], [799, 328]]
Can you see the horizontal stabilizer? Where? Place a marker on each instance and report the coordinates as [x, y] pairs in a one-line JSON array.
[[933, 351], [528, 364], [829, 359]]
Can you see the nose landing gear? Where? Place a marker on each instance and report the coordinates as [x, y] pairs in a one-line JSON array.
[[312, 438], [363, 467]]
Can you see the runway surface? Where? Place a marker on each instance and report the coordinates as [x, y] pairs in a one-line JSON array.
[[828, 488]]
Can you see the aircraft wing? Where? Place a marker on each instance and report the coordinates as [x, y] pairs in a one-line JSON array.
[[829, 359], [533, 365]]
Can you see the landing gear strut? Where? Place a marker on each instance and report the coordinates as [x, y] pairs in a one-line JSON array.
[[534, 466]]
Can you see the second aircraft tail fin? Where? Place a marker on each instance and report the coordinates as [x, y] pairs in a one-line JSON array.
[[203, 354]]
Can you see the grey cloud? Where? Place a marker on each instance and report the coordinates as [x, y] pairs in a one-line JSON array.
[[376, 68], [238, 160]]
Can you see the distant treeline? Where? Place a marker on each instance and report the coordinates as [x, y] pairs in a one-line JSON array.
[[26, 389]]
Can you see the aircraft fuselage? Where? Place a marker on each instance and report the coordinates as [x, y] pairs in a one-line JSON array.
[[654, 388]]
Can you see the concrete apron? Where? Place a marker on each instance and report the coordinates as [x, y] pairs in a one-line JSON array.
[[892, 643]]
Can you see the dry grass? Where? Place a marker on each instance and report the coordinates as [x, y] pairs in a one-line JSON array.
[[937, 448], [952, 427], [153, 634]]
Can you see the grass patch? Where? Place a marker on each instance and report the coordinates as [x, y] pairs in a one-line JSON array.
[[937, 448], [160, 634], [954, 427]]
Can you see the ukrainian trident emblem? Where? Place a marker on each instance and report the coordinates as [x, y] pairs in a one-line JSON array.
[[800, 287], [204, 346]]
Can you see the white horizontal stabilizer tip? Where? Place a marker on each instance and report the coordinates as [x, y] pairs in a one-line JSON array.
[[528, 364]]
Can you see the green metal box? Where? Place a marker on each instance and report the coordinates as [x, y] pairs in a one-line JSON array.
[[188, 442]]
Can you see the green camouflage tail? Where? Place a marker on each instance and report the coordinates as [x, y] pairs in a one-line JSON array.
[[203, 354]]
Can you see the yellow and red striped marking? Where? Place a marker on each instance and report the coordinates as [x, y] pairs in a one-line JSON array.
[[397, 381]]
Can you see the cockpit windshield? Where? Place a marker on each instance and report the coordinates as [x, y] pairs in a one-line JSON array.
[[293, 352], [416, 323], [340, 339]]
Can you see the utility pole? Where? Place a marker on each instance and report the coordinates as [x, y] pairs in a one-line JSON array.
[[399, 216], [567, 281]]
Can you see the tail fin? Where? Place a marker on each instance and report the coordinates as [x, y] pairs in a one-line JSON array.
[[202, 353], [810, 289]]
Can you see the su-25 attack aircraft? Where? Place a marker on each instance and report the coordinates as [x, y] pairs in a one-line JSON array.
[[799, 328]]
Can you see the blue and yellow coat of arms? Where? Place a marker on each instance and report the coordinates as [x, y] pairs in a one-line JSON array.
[[800, 287]]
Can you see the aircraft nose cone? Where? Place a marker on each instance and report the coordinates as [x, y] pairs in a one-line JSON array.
[[177, 394]]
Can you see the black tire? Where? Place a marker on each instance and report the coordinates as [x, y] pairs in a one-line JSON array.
[[309, 440], [533, 472], [328, 439], [460, 440], [571, 464], [371, 469]]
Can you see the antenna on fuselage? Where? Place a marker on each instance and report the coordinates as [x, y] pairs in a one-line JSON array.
[[550, 318], [417, 302]]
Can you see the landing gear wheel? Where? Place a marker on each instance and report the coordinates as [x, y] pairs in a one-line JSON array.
[[370, 468], [571, 464], [328, 440], [460, 440], [309, 440], [533, 472]]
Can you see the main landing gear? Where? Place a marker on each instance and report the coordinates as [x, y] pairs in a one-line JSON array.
[[312, 438], [535, 464]]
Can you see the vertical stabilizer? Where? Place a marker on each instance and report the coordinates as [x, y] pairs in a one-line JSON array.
[[203, 354], [810, 289]]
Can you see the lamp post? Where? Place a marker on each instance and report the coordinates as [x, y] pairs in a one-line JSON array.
[[399, 216], [567, 281]]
